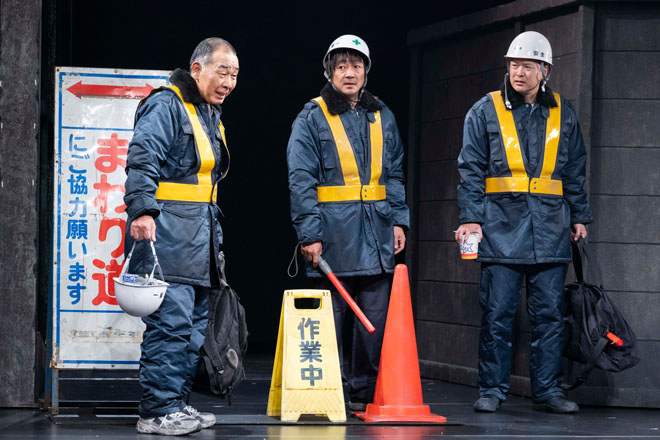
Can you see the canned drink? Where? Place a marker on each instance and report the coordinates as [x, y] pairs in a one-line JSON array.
[[128, 278], [470, 247]]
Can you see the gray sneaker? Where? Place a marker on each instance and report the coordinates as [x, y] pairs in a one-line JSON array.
[[177, 423], [205, 419]]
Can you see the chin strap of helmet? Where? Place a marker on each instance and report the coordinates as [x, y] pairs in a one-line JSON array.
[[507, 103], [545, 77]]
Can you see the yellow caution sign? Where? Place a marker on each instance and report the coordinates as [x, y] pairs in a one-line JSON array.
[[306, 375]]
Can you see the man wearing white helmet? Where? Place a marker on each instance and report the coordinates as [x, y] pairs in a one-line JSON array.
[[345, 160], [522, 168]]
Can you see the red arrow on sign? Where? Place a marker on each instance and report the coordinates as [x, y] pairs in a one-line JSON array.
[[79, 89]]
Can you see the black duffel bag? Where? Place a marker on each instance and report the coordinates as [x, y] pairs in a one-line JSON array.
[[597, 334]]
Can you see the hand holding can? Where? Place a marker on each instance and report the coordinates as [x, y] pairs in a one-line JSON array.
[[470, 246]]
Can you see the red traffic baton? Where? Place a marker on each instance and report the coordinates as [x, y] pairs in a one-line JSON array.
[[325, 268], [615, 339]]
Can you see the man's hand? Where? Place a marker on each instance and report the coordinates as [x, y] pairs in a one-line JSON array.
[[143, 227], [399, 239], [578, 230], [465, 230], [311, 251]]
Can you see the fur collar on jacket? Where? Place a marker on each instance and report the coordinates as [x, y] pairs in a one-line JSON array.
[[187, 85], [546, 99], [337, 103]]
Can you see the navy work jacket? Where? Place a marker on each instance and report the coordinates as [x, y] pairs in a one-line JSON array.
[[188, 234], [357, 236], [521, 227]]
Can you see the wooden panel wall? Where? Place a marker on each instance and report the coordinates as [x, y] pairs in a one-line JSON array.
[[625, 187], [19, 183]]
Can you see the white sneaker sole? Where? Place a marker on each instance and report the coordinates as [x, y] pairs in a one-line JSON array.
[[207, 424], [144, 428]]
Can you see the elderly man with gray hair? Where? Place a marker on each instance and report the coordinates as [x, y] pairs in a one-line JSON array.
[[176, 158]]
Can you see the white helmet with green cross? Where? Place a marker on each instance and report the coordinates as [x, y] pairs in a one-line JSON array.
[[352, 42]]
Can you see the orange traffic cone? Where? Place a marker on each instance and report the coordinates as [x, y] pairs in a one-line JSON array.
[[398, 396]]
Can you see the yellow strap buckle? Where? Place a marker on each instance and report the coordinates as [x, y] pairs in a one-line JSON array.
[[351, 193]]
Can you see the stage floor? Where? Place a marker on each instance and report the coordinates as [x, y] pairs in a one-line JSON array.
[[246, 418]]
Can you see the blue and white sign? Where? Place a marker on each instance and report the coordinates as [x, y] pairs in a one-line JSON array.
[[94, 112]]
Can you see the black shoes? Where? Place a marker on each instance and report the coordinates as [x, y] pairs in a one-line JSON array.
[[357, 406], [487, 403], [558, 405]]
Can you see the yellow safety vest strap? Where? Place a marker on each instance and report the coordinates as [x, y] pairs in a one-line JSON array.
[[376, 135], [552, 131], [535, 185], [509, 133], [353, 190], [519, 181], [346, 156], [350, 193], [204, 190]]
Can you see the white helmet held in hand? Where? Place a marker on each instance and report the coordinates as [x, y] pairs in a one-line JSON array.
[[530, 45], [138, 296], [352, 42]]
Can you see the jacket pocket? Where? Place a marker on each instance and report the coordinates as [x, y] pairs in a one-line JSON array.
[[495, 143], [328, 150], [383, 209], [182, 158]]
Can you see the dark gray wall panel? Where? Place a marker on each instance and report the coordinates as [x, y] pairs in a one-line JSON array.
[[632, 214], [19, 175], [629, 267], [634, 27], [437, 220], [640, 310], [627, 75], [438, 180], [449, 303], [466, 55], [625, 171], [452, 98], [441, 342], [562, 79], [626, 123], [441, 140], [562, 32], [441, 261]]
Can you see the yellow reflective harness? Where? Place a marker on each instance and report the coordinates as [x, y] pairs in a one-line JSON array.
[[204, 190], [353, 190], [519, 182]]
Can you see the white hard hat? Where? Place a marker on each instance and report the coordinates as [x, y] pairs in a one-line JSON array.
[[139, 298], [530, 45], [349, 41]]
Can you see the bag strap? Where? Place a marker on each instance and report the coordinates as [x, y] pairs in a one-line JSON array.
[[213, 378], [210, 347], [591, 363], [586, 267]]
